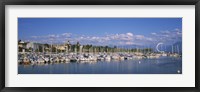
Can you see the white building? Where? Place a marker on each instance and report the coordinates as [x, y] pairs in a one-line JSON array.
[[33, 46]]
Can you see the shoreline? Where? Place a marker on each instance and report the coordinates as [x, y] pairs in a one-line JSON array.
[[39, 57]]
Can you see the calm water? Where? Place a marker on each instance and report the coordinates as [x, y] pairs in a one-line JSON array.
[[164, 65]]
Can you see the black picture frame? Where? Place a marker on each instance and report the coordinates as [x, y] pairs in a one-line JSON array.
[[3, 3]]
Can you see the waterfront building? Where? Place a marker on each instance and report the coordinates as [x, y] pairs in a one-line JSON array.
[[21, 46], [32, 46], [61, 48]]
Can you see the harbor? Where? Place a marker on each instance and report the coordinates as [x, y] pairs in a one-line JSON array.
[[81, 55], [92, 61], [38, 58], [99, 46], [162, 65]]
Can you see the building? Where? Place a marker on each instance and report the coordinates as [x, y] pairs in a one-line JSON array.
[[31, 46], [60, 47], [21, 46]]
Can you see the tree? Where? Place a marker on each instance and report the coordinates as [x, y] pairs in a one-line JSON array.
[[77, 46], [73, 47], [30, 49], [19, 41], [115, 47], [46, 45], [53, 49], [40, 48], [20, 49], [87, 47], [106, 48]]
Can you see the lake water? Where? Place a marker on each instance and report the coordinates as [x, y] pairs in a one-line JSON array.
[[163, 65]]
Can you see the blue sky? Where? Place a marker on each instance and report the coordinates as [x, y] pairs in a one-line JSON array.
[[101, 31]]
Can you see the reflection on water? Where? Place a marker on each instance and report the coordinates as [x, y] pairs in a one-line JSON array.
[[163, 65]]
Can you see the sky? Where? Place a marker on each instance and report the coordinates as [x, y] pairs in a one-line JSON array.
[[101, 31]]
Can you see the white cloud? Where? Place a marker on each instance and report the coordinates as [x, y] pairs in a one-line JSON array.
[[124, 37], [177, 29], [140, 37], [154, 33], [34, 37], [114, 39], [129, 34], [129, 43], [166, 32], [66, 34], [168, 37]]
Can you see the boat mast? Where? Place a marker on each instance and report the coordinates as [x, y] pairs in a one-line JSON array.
[[51, 49], [56, 49], [177, 49], [43, 48]]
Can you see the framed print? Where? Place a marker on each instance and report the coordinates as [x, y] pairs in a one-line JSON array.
[[110, 45]]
